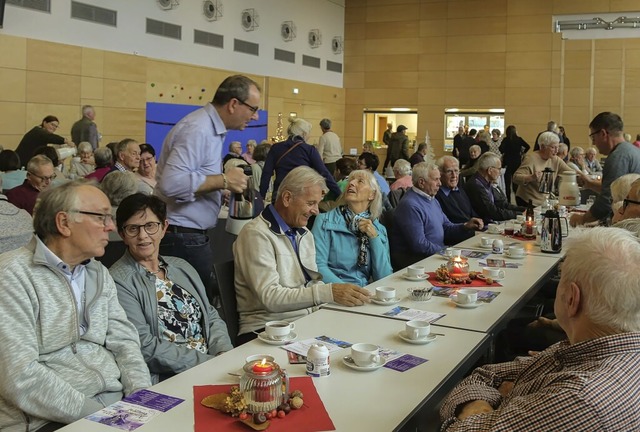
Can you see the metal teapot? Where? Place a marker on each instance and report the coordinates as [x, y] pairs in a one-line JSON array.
[[551, 232], [545, 185]]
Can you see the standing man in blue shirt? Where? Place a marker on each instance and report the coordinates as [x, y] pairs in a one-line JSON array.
[[190, 176]]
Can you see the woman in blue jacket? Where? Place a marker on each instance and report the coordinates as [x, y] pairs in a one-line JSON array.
[[351, 244]]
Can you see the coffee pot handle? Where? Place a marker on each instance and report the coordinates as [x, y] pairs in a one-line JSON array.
[[565, 232]]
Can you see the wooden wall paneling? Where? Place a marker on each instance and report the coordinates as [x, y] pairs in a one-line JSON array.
[[53, 88], [433, 27], [460, 26], [432, 80], [392, 29], [434, 10], [12, 119], [13, 52], [391, 97], [125, 67], [520, 7], [92, 63], [433, 62], [92, 88], [433, 45], [391, 80], [52, 57], [354, 64], [477, 44], [13, 85], [479, 8], [354, 79], [118, 123], [580, 6], [525, 24], [391, 62], [529, 42], [388, 12], [127, 94]]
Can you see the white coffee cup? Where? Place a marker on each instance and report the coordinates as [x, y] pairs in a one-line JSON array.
[[466, 296], [493, 228], [417, 329], [486, 241], [516, 251], [278, 329], [364, 354], [259, 358], [385, 293], [415, 270], [451, 252], [493, 272]]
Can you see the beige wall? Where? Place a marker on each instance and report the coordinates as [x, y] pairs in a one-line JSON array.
[[437, 54], [39, 78]]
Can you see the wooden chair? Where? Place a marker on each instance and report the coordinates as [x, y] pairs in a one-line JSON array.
[[225, 274]]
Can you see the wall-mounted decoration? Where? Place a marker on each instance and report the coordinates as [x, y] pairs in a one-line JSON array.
[[249, 19], [315, 38], [288, 31], [212, 9], [168, 4], [337, 44]]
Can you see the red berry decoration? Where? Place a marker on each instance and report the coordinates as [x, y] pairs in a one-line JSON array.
[[281, 414], [243, 416]]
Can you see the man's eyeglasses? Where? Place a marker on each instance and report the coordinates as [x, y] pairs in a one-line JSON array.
[[133, 230], [452, 171], [254, 109], [592, 135], [44, 179], [626, 202], [105, 218]]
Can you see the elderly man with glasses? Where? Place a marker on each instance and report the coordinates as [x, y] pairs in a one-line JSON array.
[[487, 199], [40, 174], [73, 350], [605, 131], [190, 176]]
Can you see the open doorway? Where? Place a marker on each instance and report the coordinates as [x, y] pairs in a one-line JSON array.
[[375, 122]]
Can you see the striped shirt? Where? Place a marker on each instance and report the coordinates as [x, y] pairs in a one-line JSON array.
[[590, 386]]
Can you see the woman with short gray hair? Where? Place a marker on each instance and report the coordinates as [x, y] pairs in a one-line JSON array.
[[528, 176], [85, 163], [402, 173]]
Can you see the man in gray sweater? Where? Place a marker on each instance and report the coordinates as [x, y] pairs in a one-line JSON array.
[[69, 349], [606, 133]]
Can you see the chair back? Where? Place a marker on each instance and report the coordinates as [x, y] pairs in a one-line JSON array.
[[225, 274]]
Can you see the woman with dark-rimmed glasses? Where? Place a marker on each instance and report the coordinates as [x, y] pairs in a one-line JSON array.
[[163, 296]]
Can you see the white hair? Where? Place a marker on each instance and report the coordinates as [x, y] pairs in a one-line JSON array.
[[621, 186], [548, 138], [402, 167], [603, 262], [375, 206], [421, 171], [487, 160]]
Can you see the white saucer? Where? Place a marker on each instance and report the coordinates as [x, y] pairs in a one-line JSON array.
[[386, 302], [485, 247], [266, 339], [483, 277], [508, 255], [348, 361], [466, 305], [421, 341], [495, 232], [415, 278]]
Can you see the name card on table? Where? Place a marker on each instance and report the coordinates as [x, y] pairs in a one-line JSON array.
[[135, 410], [409, 314]]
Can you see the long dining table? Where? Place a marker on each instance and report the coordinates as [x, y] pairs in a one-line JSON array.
[[380, 400], [384, 399]]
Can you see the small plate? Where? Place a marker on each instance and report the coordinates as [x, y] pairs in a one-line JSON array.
[[422, 341], [466, 305], [415, 278], [348, 361], [266, 339], [485, 247], [386, 302], [483, 277], [508, 255]]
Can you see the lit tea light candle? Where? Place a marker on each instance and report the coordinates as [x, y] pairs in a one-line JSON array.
[[458, 267], [262, 367]]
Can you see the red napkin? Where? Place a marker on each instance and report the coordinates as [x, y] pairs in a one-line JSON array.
[[519, 236], [474, 282], [312, 417]]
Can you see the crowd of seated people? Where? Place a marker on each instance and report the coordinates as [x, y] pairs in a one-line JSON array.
[[151, 315]]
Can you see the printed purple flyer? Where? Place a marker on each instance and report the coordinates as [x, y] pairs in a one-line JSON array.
[[135, 410]]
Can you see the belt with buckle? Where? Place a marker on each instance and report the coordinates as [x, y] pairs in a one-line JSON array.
[[185, 230]]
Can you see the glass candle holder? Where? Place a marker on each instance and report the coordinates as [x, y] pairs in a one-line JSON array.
[[264, 385], [458, 267]]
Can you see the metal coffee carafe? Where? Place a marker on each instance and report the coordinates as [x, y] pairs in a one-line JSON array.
[[545, 185], [242, 207], [551, 232]]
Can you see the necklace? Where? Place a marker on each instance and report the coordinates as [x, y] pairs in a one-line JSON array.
[[161, 267]]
